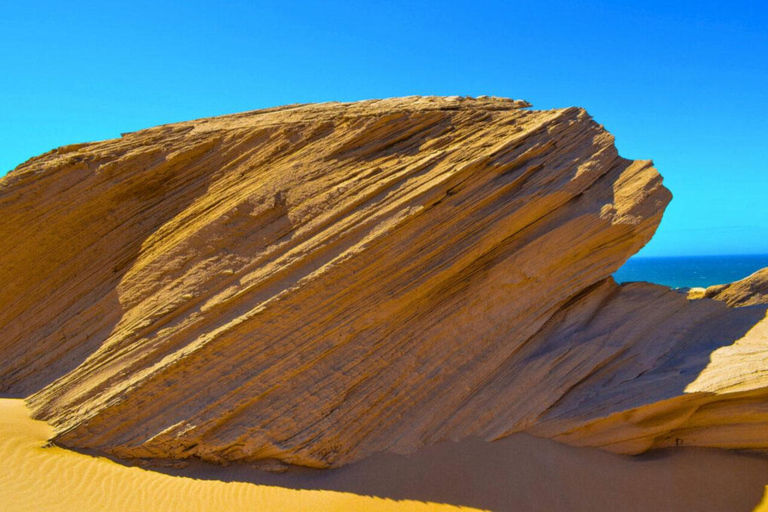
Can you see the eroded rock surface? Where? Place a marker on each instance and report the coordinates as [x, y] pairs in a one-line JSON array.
[[749, 291], [316, 283]]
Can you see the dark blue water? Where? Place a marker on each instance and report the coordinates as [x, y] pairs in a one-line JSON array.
[[690, 271]]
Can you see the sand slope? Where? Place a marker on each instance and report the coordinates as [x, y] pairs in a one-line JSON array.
[[520, 473], [38, 479]]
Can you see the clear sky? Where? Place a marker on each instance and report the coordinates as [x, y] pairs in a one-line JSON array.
[[682, 83]]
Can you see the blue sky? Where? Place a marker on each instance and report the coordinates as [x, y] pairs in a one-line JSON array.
[[682, 83]]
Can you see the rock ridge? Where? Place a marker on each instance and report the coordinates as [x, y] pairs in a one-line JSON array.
[[316, 283]]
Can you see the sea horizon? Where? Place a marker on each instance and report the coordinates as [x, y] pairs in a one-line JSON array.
[[690, 271]]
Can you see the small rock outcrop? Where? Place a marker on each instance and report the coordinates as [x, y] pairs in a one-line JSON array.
[[749, 291], [316, 283]]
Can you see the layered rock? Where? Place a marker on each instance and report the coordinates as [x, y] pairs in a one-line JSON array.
[[315, 283], [749, 291], [644, 367]]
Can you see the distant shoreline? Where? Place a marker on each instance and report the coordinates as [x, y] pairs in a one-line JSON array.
[[691, 271], [699, 256]]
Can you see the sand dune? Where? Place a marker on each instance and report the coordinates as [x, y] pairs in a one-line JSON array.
[[520, 473], [38, 479]]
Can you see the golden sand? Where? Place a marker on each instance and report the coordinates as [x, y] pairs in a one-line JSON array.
[[519, 473], [763, 506], [38, 478]]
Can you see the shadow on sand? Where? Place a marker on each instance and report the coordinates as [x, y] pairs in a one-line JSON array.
[[524, 473]]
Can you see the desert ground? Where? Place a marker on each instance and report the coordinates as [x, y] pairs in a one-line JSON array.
[[519, 473]]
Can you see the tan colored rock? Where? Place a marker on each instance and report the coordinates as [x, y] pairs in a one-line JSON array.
[[242, 287], [749, 291], [640, 366], [316, 283]]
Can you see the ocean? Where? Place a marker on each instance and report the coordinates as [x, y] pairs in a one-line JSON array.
[[690, 271]]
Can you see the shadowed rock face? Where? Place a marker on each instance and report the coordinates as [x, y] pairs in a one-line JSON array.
[[316, 283]]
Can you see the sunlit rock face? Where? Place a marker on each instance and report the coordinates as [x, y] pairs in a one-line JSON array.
[[316, 283], [750, 291]]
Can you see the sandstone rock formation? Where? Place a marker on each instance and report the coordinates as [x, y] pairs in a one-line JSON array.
[[316, 283], [747, 292]]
